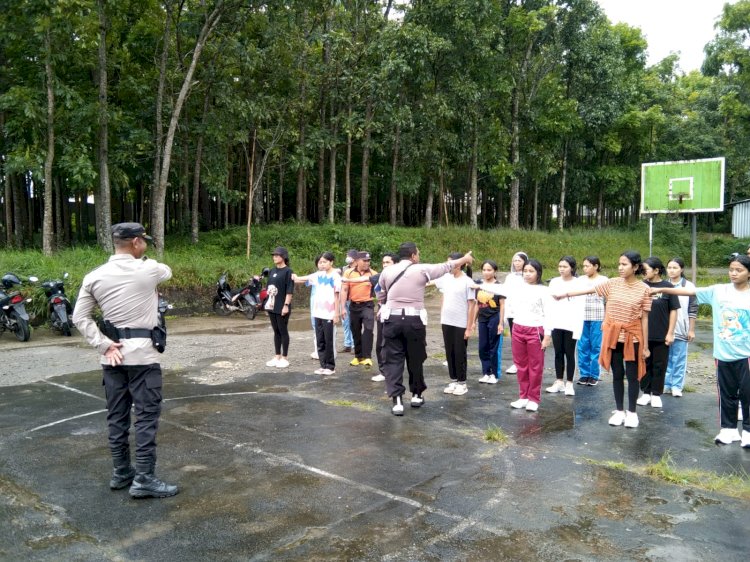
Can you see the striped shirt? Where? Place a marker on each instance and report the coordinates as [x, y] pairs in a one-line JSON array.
[[626, 302]]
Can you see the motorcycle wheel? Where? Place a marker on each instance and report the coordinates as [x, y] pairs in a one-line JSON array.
[[250, 312], [22, 330], [219, 307], [66, 328]]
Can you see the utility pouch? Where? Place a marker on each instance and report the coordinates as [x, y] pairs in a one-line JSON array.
[[159, 338], [385, 314], [108, 329]]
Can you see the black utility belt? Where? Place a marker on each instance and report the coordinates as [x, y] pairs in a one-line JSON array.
[[158, 335], [362, 303], [128, 333]]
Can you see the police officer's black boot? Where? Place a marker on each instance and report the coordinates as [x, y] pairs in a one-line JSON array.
[[146, 485], [123, 472]]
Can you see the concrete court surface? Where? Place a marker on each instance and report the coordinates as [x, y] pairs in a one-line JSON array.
[[291, 466]]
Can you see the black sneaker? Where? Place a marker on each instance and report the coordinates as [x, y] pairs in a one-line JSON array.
[[593, 382], [583, 380]]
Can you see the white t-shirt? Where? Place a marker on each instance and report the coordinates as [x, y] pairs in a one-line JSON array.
[[327, 286], [457, 294], [567, 313], [511, 280], [533, 303]]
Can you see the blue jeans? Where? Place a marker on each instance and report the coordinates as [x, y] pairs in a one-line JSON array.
[[588, 349], [677, 365], [489, 340], [348, 337]]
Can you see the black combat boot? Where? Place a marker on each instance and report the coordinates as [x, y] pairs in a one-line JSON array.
[[123, 472], [146, 485]]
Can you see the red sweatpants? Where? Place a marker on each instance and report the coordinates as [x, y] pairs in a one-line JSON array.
[[528, 355]]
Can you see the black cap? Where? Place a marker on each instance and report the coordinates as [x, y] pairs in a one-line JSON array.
[[127, 230], [363, 256], [281, 251]]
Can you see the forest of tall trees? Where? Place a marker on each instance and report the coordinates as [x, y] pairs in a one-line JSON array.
[[190, 115]]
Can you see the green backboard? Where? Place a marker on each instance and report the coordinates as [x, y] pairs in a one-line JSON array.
[[686, 186]]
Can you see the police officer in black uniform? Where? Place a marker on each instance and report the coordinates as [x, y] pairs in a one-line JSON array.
[[124, 289]]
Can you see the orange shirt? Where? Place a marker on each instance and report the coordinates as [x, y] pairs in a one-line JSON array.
[[359, 292]]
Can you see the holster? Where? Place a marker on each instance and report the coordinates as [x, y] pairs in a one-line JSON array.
[[108, 329], [159, 338]]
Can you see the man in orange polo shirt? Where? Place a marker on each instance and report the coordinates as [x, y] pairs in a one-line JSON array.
[[361, 309]]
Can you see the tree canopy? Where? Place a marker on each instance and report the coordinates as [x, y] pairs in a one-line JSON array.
[[191, 115]]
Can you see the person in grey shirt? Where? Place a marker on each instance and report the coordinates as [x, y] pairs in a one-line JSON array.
[[404, 320], [124, 289]]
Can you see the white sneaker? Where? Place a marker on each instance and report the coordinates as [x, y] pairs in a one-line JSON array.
[[416, 401], [532, 406], [445, 363], [618, 418], [631, 419], [272, 363], [314, 355], [512, 370], [745, 439], [377, 378], [282, 363], [727, 436], [450, 388], [656, 401], [398, 407], [676, 392], [319, 371], [569, 390], [484, 378], [328, 372], [520, 403], [460, 389], [644, 400], [557, 386], [491, 379]]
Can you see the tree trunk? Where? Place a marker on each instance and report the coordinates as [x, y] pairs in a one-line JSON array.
[[102, 200], [600, 209], [48, 227], [280, 203], [535, 220], [473, 189], [394, 170], [301, 203], [514, 159], [332, 176], [194, 225], [321, 207], [428, 206], [365, 183], [348, 174], [8, 199], [563, 187], [19, 210], [159, 198], [159, 135]]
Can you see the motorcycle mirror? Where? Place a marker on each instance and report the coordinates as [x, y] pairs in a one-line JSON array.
[[265, 272], [65, 275], [33, 279]]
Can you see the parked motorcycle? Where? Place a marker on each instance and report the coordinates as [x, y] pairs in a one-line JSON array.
[[59, 308], [248, 300], [13, 315]]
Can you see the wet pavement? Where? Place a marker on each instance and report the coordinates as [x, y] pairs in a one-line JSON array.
[[291, 466]]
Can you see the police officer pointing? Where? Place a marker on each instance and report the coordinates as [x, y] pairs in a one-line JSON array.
[[404, 321], [124, 288]]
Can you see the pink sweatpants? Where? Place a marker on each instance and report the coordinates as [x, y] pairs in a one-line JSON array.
[[528, 356]]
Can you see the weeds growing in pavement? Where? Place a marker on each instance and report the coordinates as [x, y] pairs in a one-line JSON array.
[[736, 485], [363, 406], [495, 434]]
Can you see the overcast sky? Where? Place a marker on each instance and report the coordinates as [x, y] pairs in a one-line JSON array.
[[670, 25]]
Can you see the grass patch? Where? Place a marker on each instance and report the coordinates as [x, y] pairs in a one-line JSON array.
[[688, 389], [615, 465], [362, 406], [735, 485], [496, 434]]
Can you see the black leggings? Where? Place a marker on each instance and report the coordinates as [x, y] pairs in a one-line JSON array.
[[656, 367], [620, 370], [280, 325], [565, 350]]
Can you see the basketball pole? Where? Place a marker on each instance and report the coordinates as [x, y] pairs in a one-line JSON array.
[[651, 235], [694, 249]]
